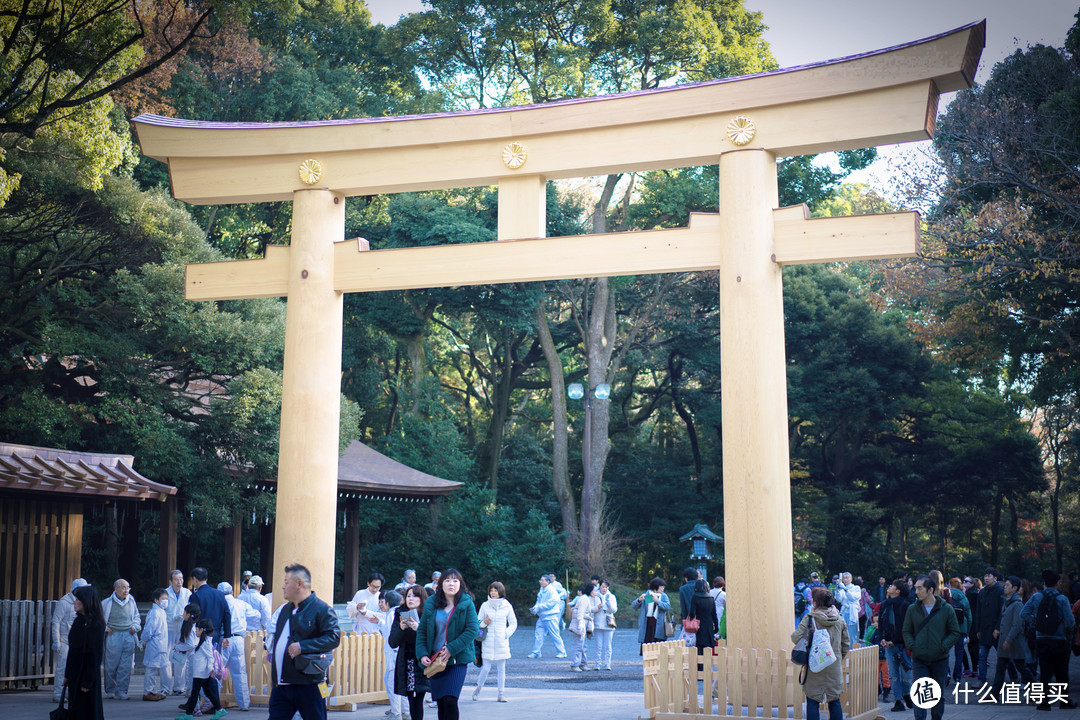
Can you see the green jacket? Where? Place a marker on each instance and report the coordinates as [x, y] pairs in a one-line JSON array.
[[461, 631], [932, 642]]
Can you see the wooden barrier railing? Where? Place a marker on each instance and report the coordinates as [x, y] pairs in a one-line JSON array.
[[355, 675], [680, 684], [26, 656]]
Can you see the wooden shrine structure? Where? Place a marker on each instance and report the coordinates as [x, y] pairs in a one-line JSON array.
[[742, 124]]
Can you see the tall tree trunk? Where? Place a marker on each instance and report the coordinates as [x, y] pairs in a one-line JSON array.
[[418, 364], [995, 525], [500, 411], [560, 474]]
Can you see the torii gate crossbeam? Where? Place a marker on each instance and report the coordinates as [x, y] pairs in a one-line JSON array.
[[742, 124]]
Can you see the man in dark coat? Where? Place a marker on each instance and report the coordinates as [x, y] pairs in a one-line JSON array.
[[891, 626], [988, 617], [212, 606], [686, 592]]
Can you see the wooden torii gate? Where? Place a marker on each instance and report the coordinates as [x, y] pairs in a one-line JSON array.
[[743, 124]]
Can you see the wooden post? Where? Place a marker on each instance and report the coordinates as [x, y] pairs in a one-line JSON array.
[[757, 500], [311, 388], [350, 578], [231, 573], [167, 551], [266, 556]]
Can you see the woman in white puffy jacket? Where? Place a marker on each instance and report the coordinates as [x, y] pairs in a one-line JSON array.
[[603, 625], [498, 622]]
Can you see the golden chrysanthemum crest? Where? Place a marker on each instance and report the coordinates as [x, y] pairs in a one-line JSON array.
[[741, 130], [310, 171], [514, 155]]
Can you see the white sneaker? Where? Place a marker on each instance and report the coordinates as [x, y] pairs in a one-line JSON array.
[[501, 699], [575, 668]]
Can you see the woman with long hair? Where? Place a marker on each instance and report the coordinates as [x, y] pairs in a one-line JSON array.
[[448, 628], [827, 685], [86, 642], [409, 679], [703, 607], [499, 622]]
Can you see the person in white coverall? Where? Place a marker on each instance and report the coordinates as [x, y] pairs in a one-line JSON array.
[[155, 640], [62, 618], [122, 625], [179, 597], [235, 655]]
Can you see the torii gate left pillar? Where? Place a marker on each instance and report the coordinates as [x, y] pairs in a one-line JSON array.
[[741, 124]]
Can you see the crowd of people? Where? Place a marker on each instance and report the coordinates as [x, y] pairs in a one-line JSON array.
[[924, 627], [927, 627]]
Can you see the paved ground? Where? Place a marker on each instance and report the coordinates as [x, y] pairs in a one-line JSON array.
[[536, 689]]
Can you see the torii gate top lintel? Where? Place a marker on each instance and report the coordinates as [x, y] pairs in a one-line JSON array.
[[828, 106]]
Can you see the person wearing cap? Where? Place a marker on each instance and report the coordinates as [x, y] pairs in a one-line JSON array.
[[179, 597], [235, 655], [255, 605], [244, 577], [1052, 647], [63, 616]]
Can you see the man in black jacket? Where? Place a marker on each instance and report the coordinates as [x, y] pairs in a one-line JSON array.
[[891, 626], [988, 617], [305, 626]]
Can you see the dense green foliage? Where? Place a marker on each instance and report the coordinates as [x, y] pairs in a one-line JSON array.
[[904, 456]]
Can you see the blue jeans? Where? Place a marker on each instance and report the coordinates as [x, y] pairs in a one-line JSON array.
[[813, 710], [899, 671], [958, 657], [984, 661], [937, 670]]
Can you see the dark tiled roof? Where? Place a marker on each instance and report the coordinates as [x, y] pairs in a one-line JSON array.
[[25, 468], [364, 472]]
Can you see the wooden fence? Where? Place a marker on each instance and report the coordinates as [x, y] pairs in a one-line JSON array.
[[355, 676], [26, 656], [681, 685]]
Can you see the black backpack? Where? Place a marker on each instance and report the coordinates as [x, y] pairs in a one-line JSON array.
[[1048, 616], [958, 608]]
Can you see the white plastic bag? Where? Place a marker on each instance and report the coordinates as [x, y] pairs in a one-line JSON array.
[[821, 651]]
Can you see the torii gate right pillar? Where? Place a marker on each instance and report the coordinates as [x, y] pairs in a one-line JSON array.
[[753, 385]]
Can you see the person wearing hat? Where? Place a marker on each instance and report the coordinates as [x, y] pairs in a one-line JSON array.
[[1052, 646], [63, 616], [255, 605], [235, 655], [244, 577]]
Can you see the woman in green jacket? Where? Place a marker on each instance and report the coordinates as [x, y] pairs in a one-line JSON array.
[[447, 630]]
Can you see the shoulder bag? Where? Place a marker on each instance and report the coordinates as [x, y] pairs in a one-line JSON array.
[[60, 712], [315, 664], [439, 663]]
